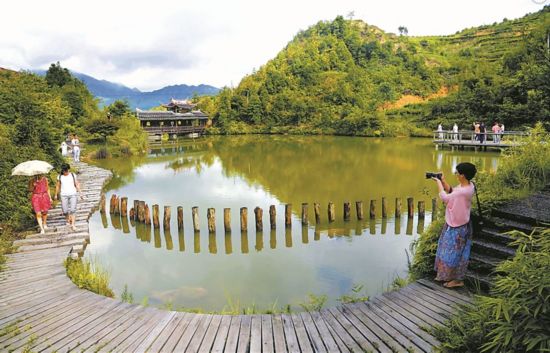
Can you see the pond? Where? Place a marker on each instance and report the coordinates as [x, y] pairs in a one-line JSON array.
[[273, 267]]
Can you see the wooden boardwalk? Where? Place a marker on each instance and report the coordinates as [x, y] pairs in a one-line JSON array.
[[41, 310]]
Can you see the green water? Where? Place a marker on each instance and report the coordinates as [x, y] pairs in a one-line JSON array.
[[281, 266]]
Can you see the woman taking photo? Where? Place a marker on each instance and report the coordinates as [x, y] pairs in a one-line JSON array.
[[455, 241], [41, 200]]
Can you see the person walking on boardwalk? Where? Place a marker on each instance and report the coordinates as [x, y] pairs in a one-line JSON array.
[[41, 200], [455, 241], [68, 188], [496, 132], [455, 131], [75, 142], [440, 131], [476, 131], [64, 148], [482, 132]]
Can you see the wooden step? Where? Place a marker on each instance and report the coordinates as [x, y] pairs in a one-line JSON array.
[[492, 249]]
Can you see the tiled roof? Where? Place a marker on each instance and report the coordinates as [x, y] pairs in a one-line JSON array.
[[146, 115]]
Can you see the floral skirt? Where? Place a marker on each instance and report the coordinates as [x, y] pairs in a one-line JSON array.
[[453, 252]]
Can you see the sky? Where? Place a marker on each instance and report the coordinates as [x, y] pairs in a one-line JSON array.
[[152, 44]]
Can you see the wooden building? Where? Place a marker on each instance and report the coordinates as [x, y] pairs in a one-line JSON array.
[[181, 118]]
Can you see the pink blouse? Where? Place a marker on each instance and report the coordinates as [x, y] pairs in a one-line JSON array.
[[459, 203]]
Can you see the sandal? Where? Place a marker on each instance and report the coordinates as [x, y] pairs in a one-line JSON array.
[[453, 284]]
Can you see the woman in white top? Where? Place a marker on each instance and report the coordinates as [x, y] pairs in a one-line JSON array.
[[68, 188], [64, 148], [76, 148], [455, 132]]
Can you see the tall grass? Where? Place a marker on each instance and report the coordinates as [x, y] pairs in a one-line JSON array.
[[89, 275]]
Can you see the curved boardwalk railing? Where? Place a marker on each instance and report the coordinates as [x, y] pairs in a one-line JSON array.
[[42, 310]]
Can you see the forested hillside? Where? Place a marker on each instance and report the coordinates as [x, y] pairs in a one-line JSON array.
[[348, 77]]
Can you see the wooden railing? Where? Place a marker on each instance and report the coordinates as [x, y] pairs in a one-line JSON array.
[[467, 136]]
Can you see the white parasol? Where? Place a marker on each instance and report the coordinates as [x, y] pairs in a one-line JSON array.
[[30, 168]]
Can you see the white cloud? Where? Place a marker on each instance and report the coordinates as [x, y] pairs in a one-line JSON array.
[[150, 45]]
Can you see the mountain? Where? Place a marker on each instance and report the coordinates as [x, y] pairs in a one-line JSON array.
[[349, 77], [108, 91]]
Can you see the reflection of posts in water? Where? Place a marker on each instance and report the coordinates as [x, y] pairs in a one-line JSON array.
[[212, 246], [372, 226], [305, 235], [305, 207], [434, 209], [259, 241], [125, 225], [195, 217], [317, 209], [410, 222], [168, 239], [288, 215], [244, 242], [272, 217], [115, 221], [372, 211], [421, 209], [288, 237], [180, 218], [397, 224], [359, 210], [347, 211], [331, 213], [124, 207], [197, 242], [227, 220], [102, 203], [384, 208], [384, 226], [211, 220], [104, 220], [228, 244], [358, 228], [156, 222], [258, 215], [410, 207], [148, 232], [167, 216], [317, 234], [181, 239], [244, 219], [420, 226], [397, 207], [140, 231], [273, 239]]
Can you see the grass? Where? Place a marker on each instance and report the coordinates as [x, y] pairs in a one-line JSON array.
[[89, 275]]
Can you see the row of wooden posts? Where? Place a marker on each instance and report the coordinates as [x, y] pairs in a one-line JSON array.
[[140, 213]]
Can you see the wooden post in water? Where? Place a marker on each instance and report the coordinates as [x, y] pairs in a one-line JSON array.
[[272, 217], [244, 219], [156, 222], [317, 209], [258, 213], [331, 212], [347, 211], [117, 205], [304, 213], [421, 209], [180, 218], [211, 217], [397, 207], [288, 215], [372, 212], [167, 216], [141, 211], [136, 210], [195, 216], [132, 214], [102, 203], [410, 207], [227, 220], [124, 206], [359, 210], [384, 208], [434, 209], [112, 204], [147, 215]]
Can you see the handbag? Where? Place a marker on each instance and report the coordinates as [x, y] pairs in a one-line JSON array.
[[477, 219]]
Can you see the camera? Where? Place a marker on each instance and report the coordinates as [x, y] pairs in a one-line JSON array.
[[430, 175]]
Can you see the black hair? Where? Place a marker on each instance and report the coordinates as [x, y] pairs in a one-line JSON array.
[[65, 167], [467, 169]]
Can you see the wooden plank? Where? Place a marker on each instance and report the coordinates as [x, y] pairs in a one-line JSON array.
[[414, 315], [450, 293], [152, 334], [278, 334], [187, 335], [290, 334], [163, 337], [211, 333], [233, 335], [340, 332], [256, 334], [244, 335], [419, 293], [365, 330], [199, 334], [301, 333], [423, 302], [450, 303], [313, 333], [404, 299], [352, 331], [178, 332], [324, 332], [267, 334], [341, 345], [221, 335]]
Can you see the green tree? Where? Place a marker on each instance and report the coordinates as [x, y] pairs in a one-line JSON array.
[[118, 108], [57, 75], [101, 127]]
